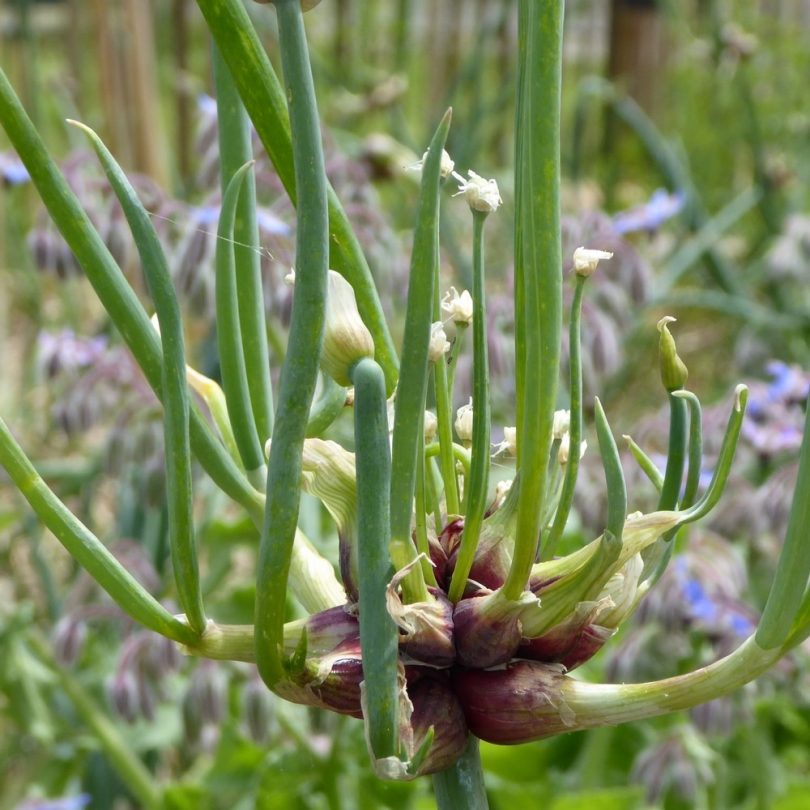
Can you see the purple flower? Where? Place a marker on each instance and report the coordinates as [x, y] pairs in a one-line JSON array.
[[650, 216], [12, 170], [64, 803]]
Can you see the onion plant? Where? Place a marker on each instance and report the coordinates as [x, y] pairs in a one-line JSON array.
[[454, 619]]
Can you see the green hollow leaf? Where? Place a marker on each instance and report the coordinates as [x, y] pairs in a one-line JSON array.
[[614, 475], [173, 383], [235, 150], [300, 369], [410, 402], [265, 102], [379, 635], [229, 334]]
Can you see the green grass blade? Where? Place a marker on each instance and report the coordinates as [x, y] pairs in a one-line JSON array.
[[229, 335], [614, 475], [265, 102], [235, 150], [173, 383]]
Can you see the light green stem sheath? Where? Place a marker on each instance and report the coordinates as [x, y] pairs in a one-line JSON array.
[[300, 368], [379, 636], [173, 384], [407, 440], [477, 483], [538, 304], [86, 548], [229, 335], [790, 583], [575, 424], [111, 287], [132, 771], [235, 150], [462, 785], [264, 100], [596, 705]]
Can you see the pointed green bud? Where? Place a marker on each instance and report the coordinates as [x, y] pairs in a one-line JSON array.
[[673, 370], [346, 338]]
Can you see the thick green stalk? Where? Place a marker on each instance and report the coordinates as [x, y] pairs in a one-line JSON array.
[[132, 771], [110, 285], [86, 548], [444, 417], [410, 400], [300, 368], [235, 382], [575, 423], [676, 454], [538, 303], [173, 385], [477, 483], [235, 150], [379, 636], [462, 785], [692, 484], [265, 102], [790, 583]]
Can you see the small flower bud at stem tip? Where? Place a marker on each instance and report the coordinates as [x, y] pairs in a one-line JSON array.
[[458, 307], [464, 422], [586, 260], [673, 370], [481, 194]]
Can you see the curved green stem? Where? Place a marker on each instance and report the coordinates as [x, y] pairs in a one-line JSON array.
[[300, 367], [477, 482], [326, 408], [614, 475], [379, 636], [692, 485], [538, 302], [229, 334], [235, 150], [86, 548], [555, 534], [676, 454], [173, 385]]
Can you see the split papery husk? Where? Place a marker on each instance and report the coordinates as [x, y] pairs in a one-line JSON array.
[[329, 473], [433, 731], [425, 628], [331, 681], [488, 628], [518, 703]]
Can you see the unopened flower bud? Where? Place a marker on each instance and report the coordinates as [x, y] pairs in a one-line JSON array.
[[673, 370], [464, 422], [458, 307], [439, 344], [122, 693], [587, 260], [431, 426], [68, 640], [445, 168], [562, 422], [509, 443], [482, 195], [565, 448], [346, 338]]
